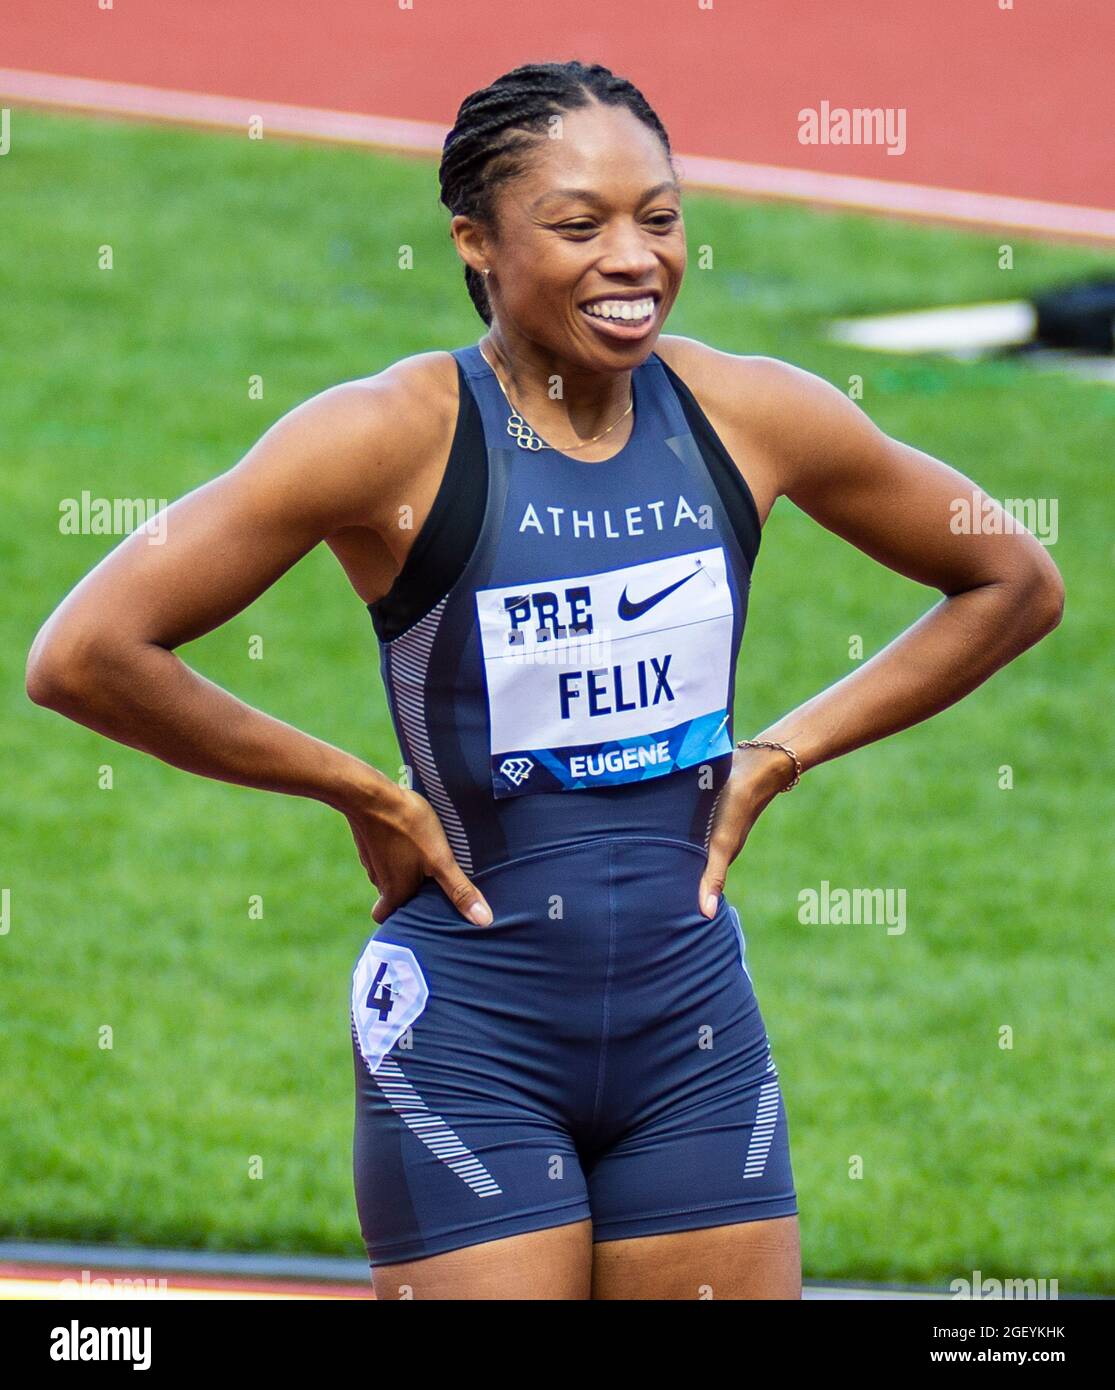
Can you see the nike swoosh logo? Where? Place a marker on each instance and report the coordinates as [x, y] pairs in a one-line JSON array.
[[629, 610]]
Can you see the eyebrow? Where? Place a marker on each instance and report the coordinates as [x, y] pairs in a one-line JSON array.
[[586, 195]]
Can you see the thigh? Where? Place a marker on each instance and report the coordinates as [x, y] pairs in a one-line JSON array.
[[697, 1135], [753, 1259], [553, 1264], [460, 1135]]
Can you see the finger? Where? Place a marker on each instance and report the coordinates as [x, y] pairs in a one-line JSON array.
[[464, 895], [382, 908], [363, 852], [708, 895], [712, 880]]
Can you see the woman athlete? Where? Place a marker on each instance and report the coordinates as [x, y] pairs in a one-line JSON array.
[[564, 1085]]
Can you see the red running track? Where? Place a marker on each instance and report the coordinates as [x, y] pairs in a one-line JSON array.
[[1017, 102], [40, 1281]]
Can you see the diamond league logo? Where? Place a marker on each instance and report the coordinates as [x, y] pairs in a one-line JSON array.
[[516, 770]]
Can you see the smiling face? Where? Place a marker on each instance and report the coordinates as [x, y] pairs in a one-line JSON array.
[[595, 220]]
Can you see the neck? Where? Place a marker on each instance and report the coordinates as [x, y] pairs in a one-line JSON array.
[[589, 402]]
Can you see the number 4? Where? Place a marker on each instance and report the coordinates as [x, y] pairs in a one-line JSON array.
[[384, 1000]]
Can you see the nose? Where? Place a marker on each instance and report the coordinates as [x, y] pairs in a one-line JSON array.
[[626, 251]]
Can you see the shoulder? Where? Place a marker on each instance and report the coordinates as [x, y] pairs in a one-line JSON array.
[[364, 439], [795, 417], [756, 387], [407, 400]]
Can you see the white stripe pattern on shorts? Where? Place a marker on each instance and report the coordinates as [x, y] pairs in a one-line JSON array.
[[432, 1129], [766, 1117]]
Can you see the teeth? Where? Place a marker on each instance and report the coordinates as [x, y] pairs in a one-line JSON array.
[[626, 309]]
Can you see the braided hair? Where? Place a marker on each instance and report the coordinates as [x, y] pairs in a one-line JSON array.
[[497, 126]]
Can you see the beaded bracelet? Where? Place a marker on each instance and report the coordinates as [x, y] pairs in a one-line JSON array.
[[767, 743]]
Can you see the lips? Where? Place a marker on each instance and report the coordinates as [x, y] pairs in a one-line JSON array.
[[622, 329]]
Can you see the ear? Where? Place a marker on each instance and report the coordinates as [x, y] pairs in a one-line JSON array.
[[471, 243]]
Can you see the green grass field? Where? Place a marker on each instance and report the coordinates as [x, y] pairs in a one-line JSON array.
[[129, 906]]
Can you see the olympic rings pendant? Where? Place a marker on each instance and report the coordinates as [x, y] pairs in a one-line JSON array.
[[522, 433]]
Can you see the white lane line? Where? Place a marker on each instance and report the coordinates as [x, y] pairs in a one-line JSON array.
[[721, 175]]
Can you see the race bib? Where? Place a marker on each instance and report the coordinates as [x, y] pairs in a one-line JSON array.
[[388, 994], [606, 678]]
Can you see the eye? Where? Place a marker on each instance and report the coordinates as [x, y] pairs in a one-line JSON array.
[[660, 222]]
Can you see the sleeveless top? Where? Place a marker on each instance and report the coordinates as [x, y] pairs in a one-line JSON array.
[[559, 647]]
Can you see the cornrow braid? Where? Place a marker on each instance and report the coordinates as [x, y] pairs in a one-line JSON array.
[[498, 125]]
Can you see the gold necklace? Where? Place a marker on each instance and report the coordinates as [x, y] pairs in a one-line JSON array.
[[526, 438]]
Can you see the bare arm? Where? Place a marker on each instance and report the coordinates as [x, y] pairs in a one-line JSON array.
[[105, 657], [1002, 592]]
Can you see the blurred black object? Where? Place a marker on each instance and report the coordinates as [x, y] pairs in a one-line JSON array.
[[1078, 317]]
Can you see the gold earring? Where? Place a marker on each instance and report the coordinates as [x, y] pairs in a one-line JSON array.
[[487, 271]]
